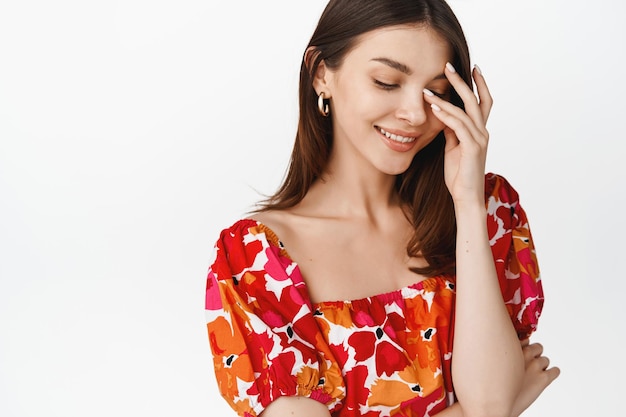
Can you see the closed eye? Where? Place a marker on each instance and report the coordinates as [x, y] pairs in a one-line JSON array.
[[385, 86]]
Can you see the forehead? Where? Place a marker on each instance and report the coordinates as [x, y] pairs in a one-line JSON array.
[[419, 47]]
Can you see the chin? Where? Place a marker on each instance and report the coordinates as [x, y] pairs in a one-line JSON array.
[[396, 169], [398, 165]]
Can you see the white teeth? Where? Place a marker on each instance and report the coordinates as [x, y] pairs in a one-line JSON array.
[[397, 138]]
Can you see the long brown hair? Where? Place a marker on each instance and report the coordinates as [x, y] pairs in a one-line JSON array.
[[421, 187]]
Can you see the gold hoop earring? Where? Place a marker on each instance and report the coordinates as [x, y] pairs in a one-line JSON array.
[[322, 106]]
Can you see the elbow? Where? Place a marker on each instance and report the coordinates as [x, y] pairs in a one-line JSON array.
[[497, 400]]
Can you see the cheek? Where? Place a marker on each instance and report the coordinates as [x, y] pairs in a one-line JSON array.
[[357, 98], [435, 124]]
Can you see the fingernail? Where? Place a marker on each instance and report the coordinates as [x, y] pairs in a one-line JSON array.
[[428, 92], [435, 107], [477, 68], [450, 67]]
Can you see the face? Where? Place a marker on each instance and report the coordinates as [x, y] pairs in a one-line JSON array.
[[380, 118]]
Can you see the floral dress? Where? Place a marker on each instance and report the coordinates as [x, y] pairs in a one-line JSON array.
[[385, 355]]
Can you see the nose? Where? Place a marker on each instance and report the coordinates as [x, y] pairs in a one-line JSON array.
[[412, 109]]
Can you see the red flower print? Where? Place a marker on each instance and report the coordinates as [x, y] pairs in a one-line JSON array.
[[389, 359]]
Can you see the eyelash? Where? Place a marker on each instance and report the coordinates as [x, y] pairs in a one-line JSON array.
[[385, 86], [389, 87]]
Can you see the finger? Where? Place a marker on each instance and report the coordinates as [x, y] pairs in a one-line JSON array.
[[455, 118], [486, 100], [464, 132], [542, 362], [532, 351], [451, 139], [466, 93], [525, 342], [553, 373]]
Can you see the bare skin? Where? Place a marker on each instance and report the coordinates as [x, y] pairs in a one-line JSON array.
[[349, 234], [537, 377], [347, 258]]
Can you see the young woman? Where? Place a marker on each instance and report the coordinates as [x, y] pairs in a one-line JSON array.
[[386, 245]]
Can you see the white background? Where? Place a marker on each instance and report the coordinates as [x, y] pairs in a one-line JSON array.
[[132, 132]]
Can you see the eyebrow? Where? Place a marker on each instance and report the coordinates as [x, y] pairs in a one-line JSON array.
[[402, 67], [394, 64]]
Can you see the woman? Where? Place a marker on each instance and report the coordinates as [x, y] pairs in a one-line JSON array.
[[343, 294]]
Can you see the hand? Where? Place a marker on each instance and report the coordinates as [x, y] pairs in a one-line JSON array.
[[536, 377], [466, 136]]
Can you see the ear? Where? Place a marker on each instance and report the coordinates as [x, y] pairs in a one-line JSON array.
[[322, 74]]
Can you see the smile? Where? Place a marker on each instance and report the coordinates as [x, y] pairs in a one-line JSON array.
[[397, 138]]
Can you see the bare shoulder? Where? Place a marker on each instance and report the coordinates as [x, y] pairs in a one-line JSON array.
[[291, 227], [279, 221]]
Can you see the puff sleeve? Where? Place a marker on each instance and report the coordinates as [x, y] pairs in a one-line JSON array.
[[514, 255], [264, 338]]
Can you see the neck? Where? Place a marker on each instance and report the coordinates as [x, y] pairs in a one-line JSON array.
[[348, 189]]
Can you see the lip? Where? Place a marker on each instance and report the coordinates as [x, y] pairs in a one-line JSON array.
[[395, 145]]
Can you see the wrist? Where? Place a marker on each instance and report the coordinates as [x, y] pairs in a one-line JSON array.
[[470, 208]]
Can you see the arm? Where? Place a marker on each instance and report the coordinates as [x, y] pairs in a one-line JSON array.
[[296, 406], [257, 361], [537, 377], [487, 364]]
